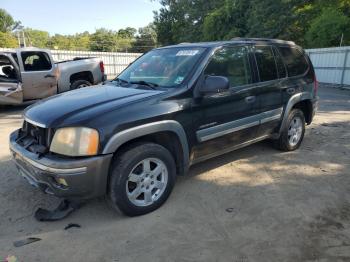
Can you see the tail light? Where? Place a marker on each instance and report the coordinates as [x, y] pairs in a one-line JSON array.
[[315, 85], [102, 67]]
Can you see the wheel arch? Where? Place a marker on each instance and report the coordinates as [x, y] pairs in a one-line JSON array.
[[84, 75], [301, 101], [162, 132]]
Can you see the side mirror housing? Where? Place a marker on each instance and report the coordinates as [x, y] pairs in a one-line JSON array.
[[214, 85]]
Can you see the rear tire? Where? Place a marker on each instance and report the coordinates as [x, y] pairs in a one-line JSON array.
[[79, 84], [293, 133], [141, 179]]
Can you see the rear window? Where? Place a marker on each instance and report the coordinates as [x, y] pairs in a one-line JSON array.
[[294, 60], [266, 63]]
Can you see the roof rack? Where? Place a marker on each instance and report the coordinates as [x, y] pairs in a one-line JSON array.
[[278, 41]]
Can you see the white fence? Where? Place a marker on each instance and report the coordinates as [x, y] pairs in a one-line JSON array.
[[332, 65], [114, 62]]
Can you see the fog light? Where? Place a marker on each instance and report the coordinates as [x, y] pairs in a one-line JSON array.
[[61, 181]]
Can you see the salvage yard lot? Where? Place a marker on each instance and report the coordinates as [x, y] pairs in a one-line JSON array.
[[254, 204]]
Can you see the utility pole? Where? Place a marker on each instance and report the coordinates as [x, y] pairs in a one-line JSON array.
[[24, 38], [19, 39], [341, 39]]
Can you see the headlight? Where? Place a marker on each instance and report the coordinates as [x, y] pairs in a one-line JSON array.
[[75, 141]]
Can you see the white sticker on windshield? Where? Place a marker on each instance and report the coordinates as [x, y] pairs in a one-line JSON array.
[[179, 80], [187, 52]]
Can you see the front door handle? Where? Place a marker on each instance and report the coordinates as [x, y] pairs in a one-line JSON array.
[[291, 91], [250, 99]]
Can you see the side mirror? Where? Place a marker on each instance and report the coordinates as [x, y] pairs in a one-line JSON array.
[[214, 85]]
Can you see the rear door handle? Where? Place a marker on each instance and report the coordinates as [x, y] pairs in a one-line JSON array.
[[47, 76], [250, 99], [291, 91]]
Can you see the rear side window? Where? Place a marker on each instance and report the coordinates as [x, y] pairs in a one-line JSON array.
[[266, 63], [281, 68], [233, 63], [294, 60], [36, 61]]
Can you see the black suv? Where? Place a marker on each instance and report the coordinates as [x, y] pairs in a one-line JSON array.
[[173, 107]]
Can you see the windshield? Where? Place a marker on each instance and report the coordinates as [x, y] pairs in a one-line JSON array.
[[163, 67]]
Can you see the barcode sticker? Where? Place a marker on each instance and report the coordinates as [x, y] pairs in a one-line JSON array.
[[187, 52]]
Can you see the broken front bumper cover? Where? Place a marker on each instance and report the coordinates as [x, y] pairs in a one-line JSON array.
[[84, 177], [11, 95]]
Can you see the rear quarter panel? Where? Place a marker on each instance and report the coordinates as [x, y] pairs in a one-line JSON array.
[[67, 69]]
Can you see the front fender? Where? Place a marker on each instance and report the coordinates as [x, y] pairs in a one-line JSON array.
[[124, 136]]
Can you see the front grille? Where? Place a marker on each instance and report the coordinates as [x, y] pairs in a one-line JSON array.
[[34, 138]]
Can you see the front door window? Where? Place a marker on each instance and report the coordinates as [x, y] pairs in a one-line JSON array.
[[233, 63]]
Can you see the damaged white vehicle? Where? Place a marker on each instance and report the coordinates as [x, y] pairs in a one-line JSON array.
[[30, 74]]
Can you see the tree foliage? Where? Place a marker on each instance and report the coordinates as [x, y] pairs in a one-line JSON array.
[[6, 21], [199, 20], [328, 29], [8, 40], [127, 39], [146, 39], [36, 38]]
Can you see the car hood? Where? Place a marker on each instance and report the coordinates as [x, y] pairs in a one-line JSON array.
[[80, 105]]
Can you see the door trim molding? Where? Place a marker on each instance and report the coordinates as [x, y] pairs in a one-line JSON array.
[[237, 125], [229, 149]]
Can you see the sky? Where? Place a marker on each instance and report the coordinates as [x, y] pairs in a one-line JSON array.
[[77, 16]]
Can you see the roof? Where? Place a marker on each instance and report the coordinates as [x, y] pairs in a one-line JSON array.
[[232, 41]]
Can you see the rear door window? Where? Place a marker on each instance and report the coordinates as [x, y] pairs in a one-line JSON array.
[[294, 60], [266, 63], [233, 63], [36, 61], [281, 68]]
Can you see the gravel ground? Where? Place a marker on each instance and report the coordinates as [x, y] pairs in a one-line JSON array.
[[254, 204]]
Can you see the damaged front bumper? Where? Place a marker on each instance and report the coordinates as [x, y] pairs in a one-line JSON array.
[[11, 95], [78, 178]]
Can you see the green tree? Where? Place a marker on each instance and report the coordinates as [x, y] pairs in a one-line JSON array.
[[7, 40], [146, 40], [190, 21], [181, 20], [327, 29], [81, 41], [226, 22], [104, 40], [128, 32], [6, 21], [37, 38], [60, 42]]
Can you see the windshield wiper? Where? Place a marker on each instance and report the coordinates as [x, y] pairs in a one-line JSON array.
[[119, 80], [145, 83]]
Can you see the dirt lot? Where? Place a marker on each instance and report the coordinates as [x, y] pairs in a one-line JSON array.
[[255, 204]]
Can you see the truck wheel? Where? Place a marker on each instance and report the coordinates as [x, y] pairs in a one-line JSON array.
[[79, 84], [293, 133], [141, 179]]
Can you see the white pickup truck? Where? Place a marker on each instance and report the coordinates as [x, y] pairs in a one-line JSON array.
[[30, 73]]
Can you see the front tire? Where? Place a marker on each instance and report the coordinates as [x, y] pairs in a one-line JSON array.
[[293, 133], [141, 179]]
